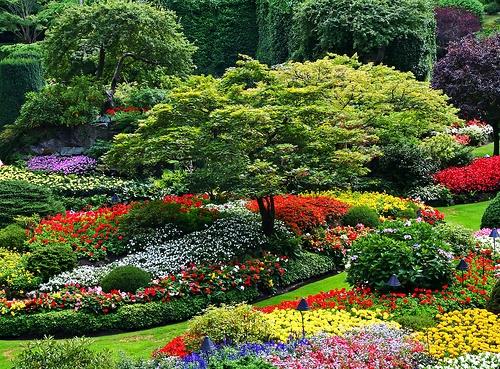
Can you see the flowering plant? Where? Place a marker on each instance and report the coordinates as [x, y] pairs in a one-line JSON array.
[[79, 164], [334, 240]]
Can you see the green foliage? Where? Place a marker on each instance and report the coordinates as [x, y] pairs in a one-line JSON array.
[[396, 32], [23, 18], [92, 39], [307, 265], [414, 252], [15, 278], [61, 105], [417, 320], [491, 216], [49, 260], [248, 362], [24, 198], [157, 213], [236, 323], [405, 165], [459, 237], [444, 149], [494, 302], [361, 215], [221, 29], [474, 6], [126, 279], [98, 149], [18, 76], [13, 238], [64, 354]]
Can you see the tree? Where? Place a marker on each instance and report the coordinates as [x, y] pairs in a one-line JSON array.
[[258, 132], [400, 33], [114, 39], [21, 17], [470, 75]]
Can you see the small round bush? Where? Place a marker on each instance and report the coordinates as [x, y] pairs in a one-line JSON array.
[[458, 237], [494, 303], [361, 215], [126, 279], [13, 238], [413, 251], [474, 6], [491, 216], [49, 260]]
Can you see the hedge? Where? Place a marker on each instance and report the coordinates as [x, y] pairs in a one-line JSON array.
[[221, 29], [17, 76], [68, 323]]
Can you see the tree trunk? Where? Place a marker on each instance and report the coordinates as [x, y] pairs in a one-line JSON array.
[[100, 65], [267, 213], [496, 147]]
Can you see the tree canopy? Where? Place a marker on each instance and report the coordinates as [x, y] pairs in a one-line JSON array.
[[258, 131]]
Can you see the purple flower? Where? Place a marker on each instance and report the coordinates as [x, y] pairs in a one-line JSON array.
[[79, 164]]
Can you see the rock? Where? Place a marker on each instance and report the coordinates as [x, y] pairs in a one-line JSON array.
[[71, 151]]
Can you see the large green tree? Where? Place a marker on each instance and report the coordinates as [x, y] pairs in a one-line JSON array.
[[114, 39], [259, 132]]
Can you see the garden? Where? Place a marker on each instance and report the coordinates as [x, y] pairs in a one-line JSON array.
[[240, 184]]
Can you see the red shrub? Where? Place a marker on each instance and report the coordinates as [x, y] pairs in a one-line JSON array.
[[482, 175], [176, 347], [303, 214]]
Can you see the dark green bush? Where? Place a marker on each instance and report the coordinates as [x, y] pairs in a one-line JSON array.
[[157, 213], [24, 198], [221, 29], [474, 6], [491, 216], [49, 260], [415, 253], [494, 303], [459, 237], [13, 238], [307, 265], [126, 278], [64, 354], [492, 8], [361, 215], [17, 77], [417, 320]]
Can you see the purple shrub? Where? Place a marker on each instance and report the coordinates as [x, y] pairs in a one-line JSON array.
[[78, 164], [452, 25]]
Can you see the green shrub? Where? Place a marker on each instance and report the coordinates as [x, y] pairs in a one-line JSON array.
[[447, 151], [492, 8], [494, 302], [236, 323], [24, 198], [307, 265], [459, 237], [49, 260], [401, 32], [157, 213], [65, 354], [248, 362], [13, 238], [221, 29], [15, 278], [361, 215], [413, 251], [474, 6], [17, 77], [417, 320], [126, 279], [491, 216], [98, 149]]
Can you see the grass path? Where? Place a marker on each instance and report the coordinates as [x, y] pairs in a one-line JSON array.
[[141, 344]]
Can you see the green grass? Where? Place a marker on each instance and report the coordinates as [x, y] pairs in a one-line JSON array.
[[141, 344], [468, 215], [483, 150]]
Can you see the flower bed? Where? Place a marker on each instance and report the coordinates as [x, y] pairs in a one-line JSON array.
[[482, 175], [79, 164]]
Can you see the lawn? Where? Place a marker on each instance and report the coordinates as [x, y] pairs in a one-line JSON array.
[[141, 344], [468, 215]]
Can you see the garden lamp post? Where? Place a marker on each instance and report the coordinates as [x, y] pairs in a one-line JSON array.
[[207, 347], [302, 307], [494, 235], [462, 266], [115, 199], [393, 282]]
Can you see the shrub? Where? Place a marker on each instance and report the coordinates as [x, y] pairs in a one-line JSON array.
[[413, 251], [492, 7], [24, 198], [15, 278], [491, 216], [446, 151], [13, 238], [418, 320], [340, 26], [361, 215], [459, 238], [482, 175], [307, 265], [49, 260], [494, 302], [474, 6], [238, 324], [125, 279], [66, 354], [452, 25], [18, 76]]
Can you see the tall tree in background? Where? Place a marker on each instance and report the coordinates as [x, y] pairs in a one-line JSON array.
[[22, 18], [470, 75]]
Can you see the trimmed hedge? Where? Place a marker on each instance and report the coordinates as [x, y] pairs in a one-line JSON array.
[[308, 265], [17, 76], [221, 29], [491, 216], [474, 6]]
